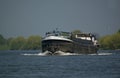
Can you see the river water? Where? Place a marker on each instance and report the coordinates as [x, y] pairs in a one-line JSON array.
[[32, 64]]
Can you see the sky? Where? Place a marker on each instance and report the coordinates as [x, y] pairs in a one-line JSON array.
[[36, 17]]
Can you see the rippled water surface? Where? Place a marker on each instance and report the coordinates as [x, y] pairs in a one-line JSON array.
[[32, 64]]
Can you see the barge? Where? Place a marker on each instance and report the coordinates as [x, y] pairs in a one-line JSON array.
[[58, 42]]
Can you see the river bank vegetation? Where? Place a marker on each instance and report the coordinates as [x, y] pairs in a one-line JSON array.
[[20, 43], [34, 42], [110, 41]]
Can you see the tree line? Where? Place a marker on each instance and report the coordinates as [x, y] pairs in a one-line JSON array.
[[34, 42], [110, 41], [20, 43]]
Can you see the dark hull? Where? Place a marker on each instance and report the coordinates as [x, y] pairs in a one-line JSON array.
[[77, 46], [84, 46], [57, 45]]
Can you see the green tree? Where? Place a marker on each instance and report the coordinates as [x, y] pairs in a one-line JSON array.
[[2, 40], [116, 40], [33, 43], [17, 43], [76, 32], [110, 41], [105, 42], [3, 43], [9, 41]]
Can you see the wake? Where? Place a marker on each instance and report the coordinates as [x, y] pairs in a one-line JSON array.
[[60, 53], [48, 53]]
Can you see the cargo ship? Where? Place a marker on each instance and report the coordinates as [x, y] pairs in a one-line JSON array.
[[58, 42]]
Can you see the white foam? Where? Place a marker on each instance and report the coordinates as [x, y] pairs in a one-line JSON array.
[[61, 53], [50, 53], [101, 54], [64, 53], [39, 54], [104, 54], [93, 54]]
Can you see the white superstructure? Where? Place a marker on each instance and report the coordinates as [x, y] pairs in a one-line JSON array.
[[56, 38], [89, 37]]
